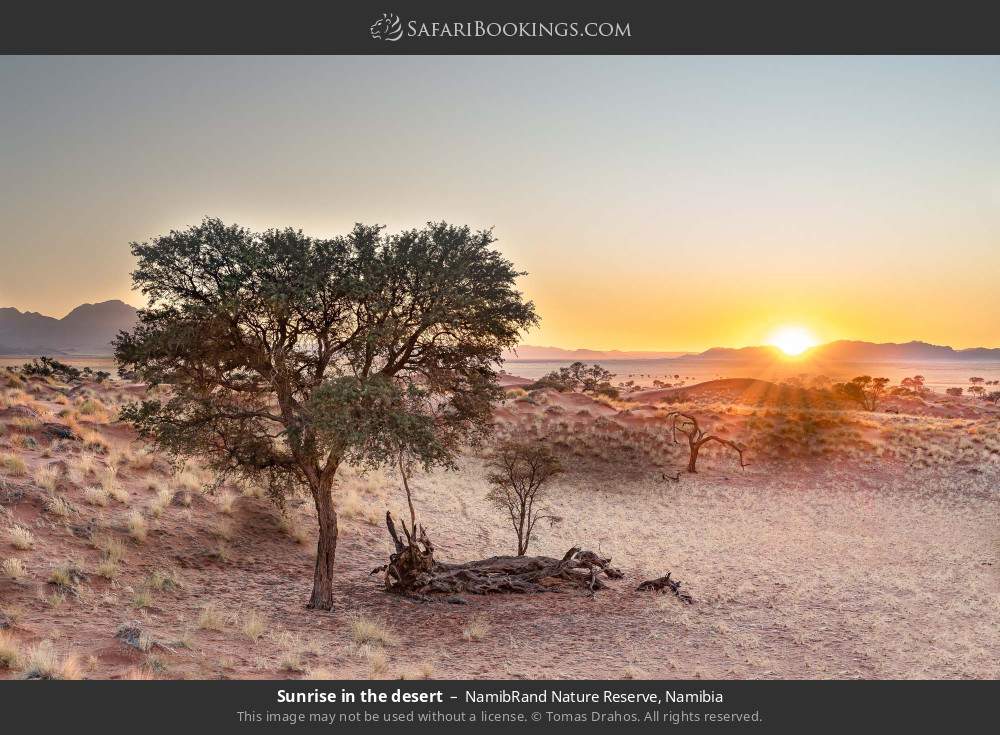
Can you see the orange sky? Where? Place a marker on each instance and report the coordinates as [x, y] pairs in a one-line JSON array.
[[658, 203]]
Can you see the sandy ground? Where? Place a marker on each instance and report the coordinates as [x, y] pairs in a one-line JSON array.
[[870, 564]]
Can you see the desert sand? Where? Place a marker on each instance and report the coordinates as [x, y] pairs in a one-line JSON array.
[[853, 545]]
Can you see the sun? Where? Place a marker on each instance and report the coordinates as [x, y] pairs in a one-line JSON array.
[[792, 341]]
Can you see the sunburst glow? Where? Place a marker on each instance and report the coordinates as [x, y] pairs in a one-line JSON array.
[[792, 340]]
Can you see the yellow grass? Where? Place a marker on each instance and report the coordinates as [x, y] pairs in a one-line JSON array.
[[368, 630], [20, 537], [10, 651], [14, 568], [11, 464], [41, 662], [46, 477], [210, 617], [136, 525]]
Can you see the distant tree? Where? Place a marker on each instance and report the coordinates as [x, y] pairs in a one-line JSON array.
[[976, 387], [864, 390], [688, 426], [993, 397], [911, 387], [579, 376], [953, 391], [287, 356], [48, 367], [520, 473]]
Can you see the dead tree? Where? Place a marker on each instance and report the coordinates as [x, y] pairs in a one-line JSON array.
[[661, 584], [413, 571], [686, 424], [518, 480]]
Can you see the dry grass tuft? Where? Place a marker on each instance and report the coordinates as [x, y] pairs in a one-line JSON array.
[[293, 529], [41, 662], [373, 631], [13, 465], [162, 579], [96, 496], [210, 617], [476, 629], [20, 537], [46, 477], [10, 651], [378, 660], [142, 598], [136, 525], [164, 496], [253, 625], [226, 500], [58, 506]]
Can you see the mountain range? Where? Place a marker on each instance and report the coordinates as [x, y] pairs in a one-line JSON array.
[[533, 352], [87, 330], [856, 351]]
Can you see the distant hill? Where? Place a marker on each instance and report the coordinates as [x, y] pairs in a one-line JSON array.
[[852, 351], [856, 351], [532, 352], [87, 330], [839, 351]]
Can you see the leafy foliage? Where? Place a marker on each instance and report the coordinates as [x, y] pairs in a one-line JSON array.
[[286, 355]]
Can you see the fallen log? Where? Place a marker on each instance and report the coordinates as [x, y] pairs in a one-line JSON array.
[[413, 571], [661, 584]]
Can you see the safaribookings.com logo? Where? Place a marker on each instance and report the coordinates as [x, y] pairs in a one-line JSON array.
[[390, 28], [387, 28]]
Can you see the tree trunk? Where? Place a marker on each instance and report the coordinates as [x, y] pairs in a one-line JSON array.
[[326, 548], [693, 459]]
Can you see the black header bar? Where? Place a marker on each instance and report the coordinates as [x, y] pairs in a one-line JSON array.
[[510, 27]]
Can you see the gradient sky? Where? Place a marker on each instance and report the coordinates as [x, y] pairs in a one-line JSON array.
[[658, 203]]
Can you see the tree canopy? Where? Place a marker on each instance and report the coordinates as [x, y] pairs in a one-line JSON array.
[[287, 355]]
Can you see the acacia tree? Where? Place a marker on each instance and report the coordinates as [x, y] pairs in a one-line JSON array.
[[580, 376], [864, 390], [287, 356], [519, 476], [976, 387]]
